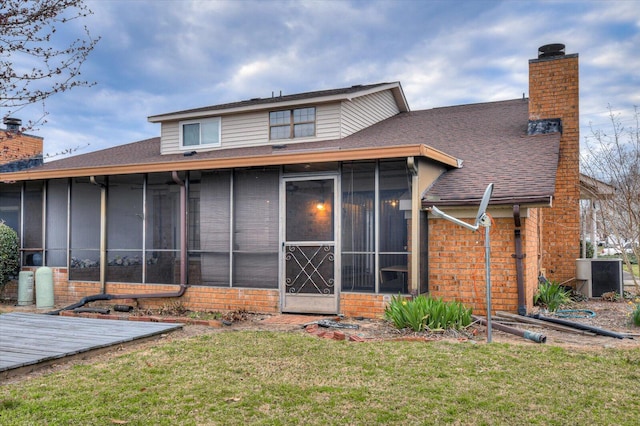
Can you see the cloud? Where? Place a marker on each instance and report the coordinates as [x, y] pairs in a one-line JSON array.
[[162, 56]]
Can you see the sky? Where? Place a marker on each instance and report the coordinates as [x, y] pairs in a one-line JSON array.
[[161, 56]]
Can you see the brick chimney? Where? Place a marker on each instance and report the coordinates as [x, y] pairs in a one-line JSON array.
[[18, 151], [554, 94]]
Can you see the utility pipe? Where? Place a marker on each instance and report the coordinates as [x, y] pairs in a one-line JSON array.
[[582, 327], [519, 256], [530, 335]]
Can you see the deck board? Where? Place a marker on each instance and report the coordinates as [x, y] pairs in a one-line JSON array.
[[30, 339]]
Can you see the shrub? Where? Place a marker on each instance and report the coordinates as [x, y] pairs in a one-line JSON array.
[[9, 254], [551, 296], [589, 253], [635, 315], [423, 313]]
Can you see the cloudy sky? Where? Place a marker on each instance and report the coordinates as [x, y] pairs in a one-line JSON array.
[[161, 56]]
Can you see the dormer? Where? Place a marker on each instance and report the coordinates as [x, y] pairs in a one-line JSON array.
[[280, 120]]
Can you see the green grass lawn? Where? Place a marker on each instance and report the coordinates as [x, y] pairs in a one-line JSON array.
[[270, 378]]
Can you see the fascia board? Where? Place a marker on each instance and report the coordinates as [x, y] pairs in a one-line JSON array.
[[295, 157]]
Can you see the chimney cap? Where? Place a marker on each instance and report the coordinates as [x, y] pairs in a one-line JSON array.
[[550, 50], [12, 123]]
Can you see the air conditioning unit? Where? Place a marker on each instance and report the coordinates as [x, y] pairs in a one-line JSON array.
[[598, 276]]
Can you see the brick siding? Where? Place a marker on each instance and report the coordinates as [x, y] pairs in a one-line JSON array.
[[15, 146]]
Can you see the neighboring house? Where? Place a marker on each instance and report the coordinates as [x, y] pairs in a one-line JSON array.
[[317, 202], [592, 192], [18, 150]]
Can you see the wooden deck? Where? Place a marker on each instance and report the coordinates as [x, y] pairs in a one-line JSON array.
[[29, 341]]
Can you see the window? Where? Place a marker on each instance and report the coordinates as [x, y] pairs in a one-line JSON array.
[[295, 123], [196, 133]]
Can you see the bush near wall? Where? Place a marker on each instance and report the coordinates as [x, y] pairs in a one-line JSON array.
[[9, 254]]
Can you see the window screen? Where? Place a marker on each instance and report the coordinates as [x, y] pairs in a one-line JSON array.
[[256, 225]]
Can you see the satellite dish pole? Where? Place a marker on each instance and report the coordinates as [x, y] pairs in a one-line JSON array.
[[482, 219]]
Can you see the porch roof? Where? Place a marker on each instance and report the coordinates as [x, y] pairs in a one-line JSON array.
[[489, 140], [144, 157]]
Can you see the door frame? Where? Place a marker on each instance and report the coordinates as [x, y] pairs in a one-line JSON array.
[[311, 303]]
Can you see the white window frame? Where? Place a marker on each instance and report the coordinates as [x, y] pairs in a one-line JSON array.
[[201, 122]]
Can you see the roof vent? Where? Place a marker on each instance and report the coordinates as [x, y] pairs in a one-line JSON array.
[[551, 50], [13, 124], [543, 127]]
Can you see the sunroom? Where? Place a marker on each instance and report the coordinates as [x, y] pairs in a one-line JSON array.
[[308, 230]]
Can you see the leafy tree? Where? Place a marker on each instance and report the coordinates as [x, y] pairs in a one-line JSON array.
[[613, 156], [32, 68]]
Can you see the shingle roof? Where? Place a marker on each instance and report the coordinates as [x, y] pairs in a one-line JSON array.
[[490, 138], [279, 99]]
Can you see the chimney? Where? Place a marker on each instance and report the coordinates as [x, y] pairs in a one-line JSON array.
[[550, 50], [13, 124], [554, 103], [553, 85]]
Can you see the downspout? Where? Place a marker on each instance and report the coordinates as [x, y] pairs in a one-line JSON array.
[[183, 258], [103, 232], [518, 256]]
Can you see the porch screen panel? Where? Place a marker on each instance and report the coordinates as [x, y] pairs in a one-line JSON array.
[[162, 221], [214, 227], [56, 222], [395, 185], [358, 226], [10, 195], [125, 221], [256, 225], [32, 226], [85, 231]]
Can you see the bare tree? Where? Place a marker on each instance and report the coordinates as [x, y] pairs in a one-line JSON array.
[[613, 156], [32, 67]]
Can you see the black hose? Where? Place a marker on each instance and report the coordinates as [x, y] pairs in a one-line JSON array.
[[582, 327], [82, 302]]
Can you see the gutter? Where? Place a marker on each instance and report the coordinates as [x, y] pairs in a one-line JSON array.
[[519, 256], [183, 259], [223, 159], [531, 201]]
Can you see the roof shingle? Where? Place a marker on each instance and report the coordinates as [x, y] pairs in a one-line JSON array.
[[490, 138]]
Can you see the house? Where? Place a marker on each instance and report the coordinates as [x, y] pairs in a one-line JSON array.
[[18, 150], [317, 202]]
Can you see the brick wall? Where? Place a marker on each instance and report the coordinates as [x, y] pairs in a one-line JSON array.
[[531, 250], [196, 298], [15, 146], [457, 265], [553, 93], [363, 305]]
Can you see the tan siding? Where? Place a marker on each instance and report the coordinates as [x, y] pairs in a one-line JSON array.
[[333, 121], [252, 129], [367, 110], [328, 122], [169, 138]]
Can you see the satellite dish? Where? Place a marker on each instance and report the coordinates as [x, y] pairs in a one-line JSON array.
[[480, 217], [483, 204]]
